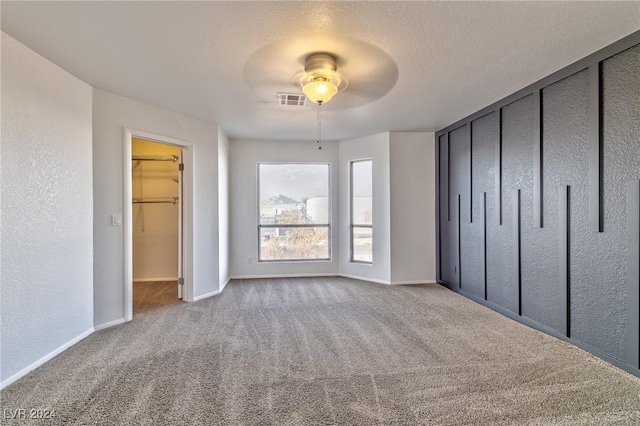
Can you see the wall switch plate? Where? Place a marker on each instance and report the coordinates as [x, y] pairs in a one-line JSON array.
[[116, 220], [249, 259]]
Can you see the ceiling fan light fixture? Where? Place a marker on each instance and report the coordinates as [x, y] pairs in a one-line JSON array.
[[321, 80], [320, 90]]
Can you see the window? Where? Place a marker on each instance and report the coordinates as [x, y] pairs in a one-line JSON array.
[[362, 211], [295, 212]]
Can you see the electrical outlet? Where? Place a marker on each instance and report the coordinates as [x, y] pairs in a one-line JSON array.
[[249, 259]]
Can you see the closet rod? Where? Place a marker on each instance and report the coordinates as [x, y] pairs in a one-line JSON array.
[[172, 158], [173, 200]]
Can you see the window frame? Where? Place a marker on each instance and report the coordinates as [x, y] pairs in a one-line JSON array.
[[352, 225], [310, 225]]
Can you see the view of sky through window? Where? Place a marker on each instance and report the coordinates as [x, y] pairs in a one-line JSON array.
[[296, 181]]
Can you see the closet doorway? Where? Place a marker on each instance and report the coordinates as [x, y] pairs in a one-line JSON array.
[[157, 221], [157, 212]]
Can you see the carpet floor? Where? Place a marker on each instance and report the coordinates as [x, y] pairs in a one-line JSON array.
[[326, 351], [149, 296]]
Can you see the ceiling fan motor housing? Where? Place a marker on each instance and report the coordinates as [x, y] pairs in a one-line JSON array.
[[319, 62]]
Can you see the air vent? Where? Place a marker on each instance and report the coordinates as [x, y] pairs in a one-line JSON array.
[[292, 99]]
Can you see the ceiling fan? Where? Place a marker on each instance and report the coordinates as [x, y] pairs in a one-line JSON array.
[[321, 80], [294, 62]]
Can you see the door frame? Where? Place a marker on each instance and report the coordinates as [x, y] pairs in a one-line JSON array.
[[187, 214]]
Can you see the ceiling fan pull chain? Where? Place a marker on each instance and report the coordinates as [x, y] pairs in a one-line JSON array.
[[319, 127]]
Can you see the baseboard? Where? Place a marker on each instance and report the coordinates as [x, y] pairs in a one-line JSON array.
[[385, 282], [44, 359], [249, 277], [224, 284], [207, 295], [355, 277], [360, 278], [109, 324], [212, 293], [412, 282], [150, 280]]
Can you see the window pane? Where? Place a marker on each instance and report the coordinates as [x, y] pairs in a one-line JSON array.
[[294, 194], [362, 244], [286, 243], [361, 187]]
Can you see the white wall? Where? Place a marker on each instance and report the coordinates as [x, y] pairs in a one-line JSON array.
[[403, 207], [223, 208], [376, 148], [155, 226], [47, 262], [244, 156], [112, 113], [413, 200]]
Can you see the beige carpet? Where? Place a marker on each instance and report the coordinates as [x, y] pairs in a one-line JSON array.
[[150, 296], [327, 351]]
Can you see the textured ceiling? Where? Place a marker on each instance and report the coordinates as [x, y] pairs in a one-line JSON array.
[[410, 65]]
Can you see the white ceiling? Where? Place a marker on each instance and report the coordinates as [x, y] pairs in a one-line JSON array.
[[411, 65]]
